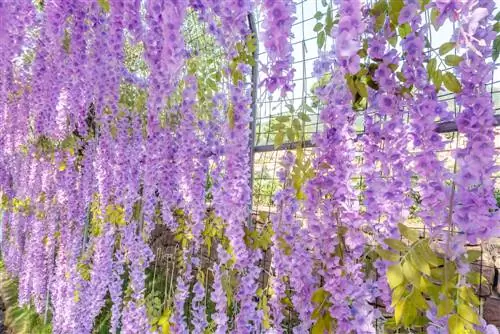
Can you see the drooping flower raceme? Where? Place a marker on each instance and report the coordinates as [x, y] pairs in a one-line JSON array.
[[277, 35]]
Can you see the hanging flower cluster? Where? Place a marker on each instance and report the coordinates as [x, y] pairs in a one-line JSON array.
[[277, 35]]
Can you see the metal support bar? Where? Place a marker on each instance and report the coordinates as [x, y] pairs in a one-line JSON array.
[[255, 83], [444, 127]]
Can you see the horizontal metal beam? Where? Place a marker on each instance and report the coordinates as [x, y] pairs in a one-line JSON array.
[[443, 127]]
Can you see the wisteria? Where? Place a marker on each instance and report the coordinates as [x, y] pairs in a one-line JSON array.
[[116, 125]]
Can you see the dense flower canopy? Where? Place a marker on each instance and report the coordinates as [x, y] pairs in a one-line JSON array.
[[113, 125]]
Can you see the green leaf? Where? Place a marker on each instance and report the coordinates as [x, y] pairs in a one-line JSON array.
[[212, 84], [395, 275], [444, 307], [404, 30], [303, 116], [434, 16], [397, 293], [290, 134], [282, 119], [399, 310], [437, 78], [496, 27], [401, 76], [319, 296], [446, 47], [468, 313], [496, 49], [393, 67], [396, 244], [431, 67], [318, 27], [473, 255], [418, 260], [411, 274], [428, 254], [278, 139], [393, 40], [104, 5], [497, 17], [379, 21], [451, 83], [395, 7], [423, 3], [351, 84], [455, 325], [361, 87], [452, 60], [467, 294], [319, 15], [409, 315], [296, 124], [416, 299], [329, 21], [321, 39], [387, 255], [476, 278], [408, 232], [379, 7], [319, 327]]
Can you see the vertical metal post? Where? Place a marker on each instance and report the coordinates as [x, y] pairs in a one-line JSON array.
[[255, 83]]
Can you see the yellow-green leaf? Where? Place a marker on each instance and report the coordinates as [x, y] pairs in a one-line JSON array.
[[397, 293], [455, 325], [428, 254], [444, 307], [399, 310], [104, 5], [290, 134], [452, 60], [319, 327], [408, 232], [319, 296], [434, 16], [468, 313], [395, 7], [395, 275], [396, 244], [361, 87], [387, 255], [451, 83], [409, 315], [418, 260], [431, 67], [475, 278], [411, 274], [278, 139], [417, 300], [321, 39], [473, 255], [446, 47]]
